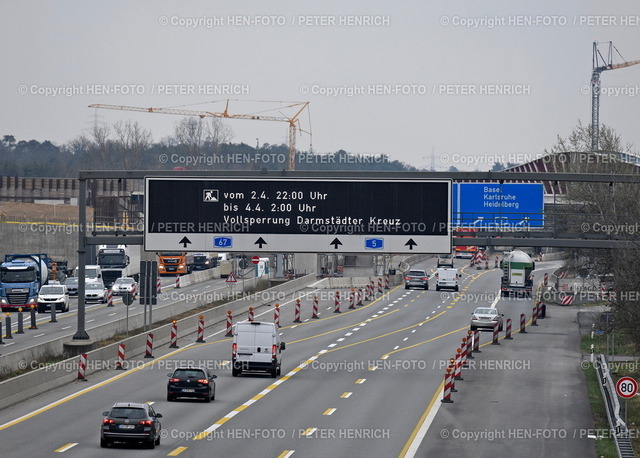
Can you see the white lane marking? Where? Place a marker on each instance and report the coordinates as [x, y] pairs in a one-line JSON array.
[[405, 339], [38, 335], [396, 347], [374, 316], [413, 448], [11, 343], [322, 351], [332, 345], [495, 301], [66, 327], [413, 331], [348, 334], [89, 321], [291, 452], [355, 329], [111, 314], [341, 339], [66, 447]]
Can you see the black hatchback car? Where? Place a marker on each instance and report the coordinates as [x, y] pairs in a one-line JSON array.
[[131, 422], [188, 382]]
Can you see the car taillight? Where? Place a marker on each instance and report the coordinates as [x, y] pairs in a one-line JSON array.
[[174, 380], [234, 350], [108, 421], [204, 381], [425, 279], [146, 422], [274, 350], [407, 278]]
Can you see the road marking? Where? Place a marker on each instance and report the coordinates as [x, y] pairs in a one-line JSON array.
[[360, 381], [89, 321], [309, 431], [38, 335], [66, 327], [332, 345], [396, 347], [449, 306], [411, 447], [177, 451], [346, 394], [405, 339], [413, 331], [341, 339], [286, 454], [111, 314], [329, 411], [64, 448], [348, 334]]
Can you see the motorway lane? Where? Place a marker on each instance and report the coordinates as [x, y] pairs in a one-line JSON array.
[[97, 313], [394, 387]]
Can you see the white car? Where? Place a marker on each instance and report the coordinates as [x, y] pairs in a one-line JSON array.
[[53, 295], [95, 291], [124, 285]]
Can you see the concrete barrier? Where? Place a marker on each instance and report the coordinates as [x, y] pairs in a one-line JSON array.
[[25, 386]]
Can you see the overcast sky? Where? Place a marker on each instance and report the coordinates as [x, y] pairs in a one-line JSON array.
[[421, 78]]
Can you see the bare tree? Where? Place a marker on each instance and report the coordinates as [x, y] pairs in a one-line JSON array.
[[132, 140], [217, 133], [190, 135]]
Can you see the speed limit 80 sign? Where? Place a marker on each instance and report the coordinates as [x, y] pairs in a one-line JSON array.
[[626, 387]]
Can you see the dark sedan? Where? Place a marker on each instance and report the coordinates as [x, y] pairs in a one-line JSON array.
[[189, 382]]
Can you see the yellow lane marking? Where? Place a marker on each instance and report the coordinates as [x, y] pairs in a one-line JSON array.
[[427, 341], [360, 381], [329, 411], [309, 431], [177, 451], [346, 394], [286, 454], [64, 448], [434, 399]]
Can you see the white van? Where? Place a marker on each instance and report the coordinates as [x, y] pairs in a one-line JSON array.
[[256, 347], [93, 272], [447, 279]]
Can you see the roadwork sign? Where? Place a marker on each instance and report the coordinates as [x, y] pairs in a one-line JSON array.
[[298, 215]]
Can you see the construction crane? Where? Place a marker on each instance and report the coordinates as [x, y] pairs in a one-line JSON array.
[[600, 64], [294, 121]]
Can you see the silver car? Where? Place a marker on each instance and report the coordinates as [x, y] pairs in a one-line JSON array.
[[124, 285], [95, 291], [416, 278], [486, 317]]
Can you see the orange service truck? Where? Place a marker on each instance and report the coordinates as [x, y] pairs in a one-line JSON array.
[[464, 251], [174, 263]]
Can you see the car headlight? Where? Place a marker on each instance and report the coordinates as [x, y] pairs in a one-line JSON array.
[[32, 301]]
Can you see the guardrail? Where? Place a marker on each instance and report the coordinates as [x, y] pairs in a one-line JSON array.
[[607, 387]]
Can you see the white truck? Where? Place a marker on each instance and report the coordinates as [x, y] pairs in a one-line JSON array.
[[447, 278], [117, 261]]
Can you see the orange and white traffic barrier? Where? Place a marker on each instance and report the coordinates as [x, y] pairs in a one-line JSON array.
[[463, 355], [380, 285], [149, 347], [523, 320], [158, 286], [120, 362], [534, 314], [496, 264], [567, 299], [250, 314], [314, 316], [369, 291], [495, 334], [177, 281], [476, 341], [452, 365], [458, 373], [546, 279], [276, 315], [387, 281], [486, 264], [82, 367], [470, 345], [447, 386], [360, 296], [352, 300], [337, 303], [109, 298], [508, 333], [174, 334], [229, 324], [200, 338], [296, 318]]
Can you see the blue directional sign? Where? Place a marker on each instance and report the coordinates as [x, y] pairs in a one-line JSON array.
[[222, 242], [495, 206], [374, 243]]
